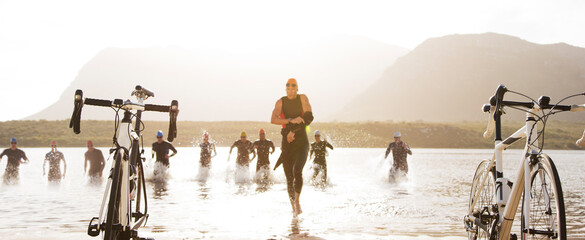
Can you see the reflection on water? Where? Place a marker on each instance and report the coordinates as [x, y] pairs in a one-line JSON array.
[[223, 202]]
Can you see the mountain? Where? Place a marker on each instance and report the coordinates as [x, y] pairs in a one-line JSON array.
[[449, 78], [215, 85]]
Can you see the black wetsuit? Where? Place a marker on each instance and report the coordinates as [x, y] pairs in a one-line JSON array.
[[320, 151], [399, 154], [205, 156], [294, 153], [96, 162], [161, 150], [14, 157], [263, 149], [244, 150], [54, 159]]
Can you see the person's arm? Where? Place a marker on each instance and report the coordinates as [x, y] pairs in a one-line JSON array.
[[64, 165], [213, 149], [328, 145], [153, 149], [272, 146], [2, 155], [312, 151], [45, 163], [253, 151], [407, 149], [23, 157], [275, 118], [172, 149], [103, 162], [232, 147], [85, 163], [388, 150]]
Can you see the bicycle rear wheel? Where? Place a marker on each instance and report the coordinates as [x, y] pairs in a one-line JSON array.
[[484, 208], [547, 206]]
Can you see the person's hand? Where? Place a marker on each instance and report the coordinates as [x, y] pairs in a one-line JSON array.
[[297, 120], [324, 139], [167, 156], [290, 137], [100, 174], [255, 146]]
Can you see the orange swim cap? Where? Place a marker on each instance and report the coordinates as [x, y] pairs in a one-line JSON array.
[[89, 142], [292, 81], [54, 143], [262, 131]]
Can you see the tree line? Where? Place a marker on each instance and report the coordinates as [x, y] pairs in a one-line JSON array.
[[39, 133]]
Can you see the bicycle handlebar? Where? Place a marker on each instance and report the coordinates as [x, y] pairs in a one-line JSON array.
[[172, 109], [497, 103]]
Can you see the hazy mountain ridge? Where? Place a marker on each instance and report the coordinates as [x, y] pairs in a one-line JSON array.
[[449, 78], [213, 85]]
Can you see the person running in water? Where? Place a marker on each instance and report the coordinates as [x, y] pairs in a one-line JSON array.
[[294, 113], [161, 149], [54, 158], [245, 148], [96, 161], [319, 148], [399, 150], [15, 158], [263, 146], [206, 149]]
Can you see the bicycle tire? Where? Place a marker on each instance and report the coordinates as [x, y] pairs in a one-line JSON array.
[[484, 208], [547, 206], [112, 216]]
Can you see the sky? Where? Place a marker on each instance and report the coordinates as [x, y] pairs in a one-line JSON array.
[[43, 44]]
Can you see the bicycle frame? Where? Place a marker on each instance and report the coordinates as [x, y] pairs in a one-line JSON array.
[[508, 199]]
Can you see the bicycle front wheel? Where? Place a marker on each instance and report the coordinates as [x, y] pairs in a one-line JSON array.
[[482, 202], [547, 207]]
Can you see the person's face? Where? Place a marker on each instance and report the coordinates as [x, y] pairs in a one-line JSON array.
[[159, 139], [205, 139], [262, 136], [397, 139], [90, 147], [292, 89], [318, 138], [53, 146], [243, 138], [12, 144]]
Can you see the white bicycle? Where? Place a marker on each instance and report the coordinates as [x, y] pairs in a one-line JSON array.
[[494, 199], [125, 186]]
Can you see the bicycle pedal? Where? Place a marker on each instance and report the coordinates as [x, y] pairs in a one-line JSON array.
[[93, 229]]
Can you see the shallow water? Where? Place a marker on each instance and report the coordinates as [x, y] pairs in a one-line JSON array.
[[358, 202]]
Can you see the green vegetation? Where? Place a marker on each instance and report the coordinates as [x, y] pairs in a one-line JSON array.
[[560, 135]]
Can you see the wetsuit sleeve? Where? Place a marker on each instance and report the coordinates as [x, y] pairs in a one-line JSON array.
[[153, 149], [408, 149], [2, 154], [172, 148], [312, 151], [308, 117], [388, 150], [85, 163], [23, 155], [329, 145], [272, 146]]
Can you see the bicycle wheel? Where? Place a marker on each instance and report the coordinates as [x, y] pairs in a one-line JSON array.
[[112, 217], [483, 210], [547, 207]]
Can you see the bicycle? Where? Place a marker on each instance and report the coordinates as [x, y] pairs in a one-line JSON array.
[[125, 183], [494, 199]]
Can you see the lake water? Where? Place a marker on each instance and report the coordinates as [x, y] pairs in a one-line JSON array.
[[358, 203]]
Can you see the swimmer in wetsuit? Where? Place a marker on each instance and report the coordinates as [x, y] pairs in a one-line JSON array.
[[206, 149], [15, 158], [54, 158], [162, 148], [319, 148], [96, 160], [245, 148], [294, 113], [399, 150], [263, 147]]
